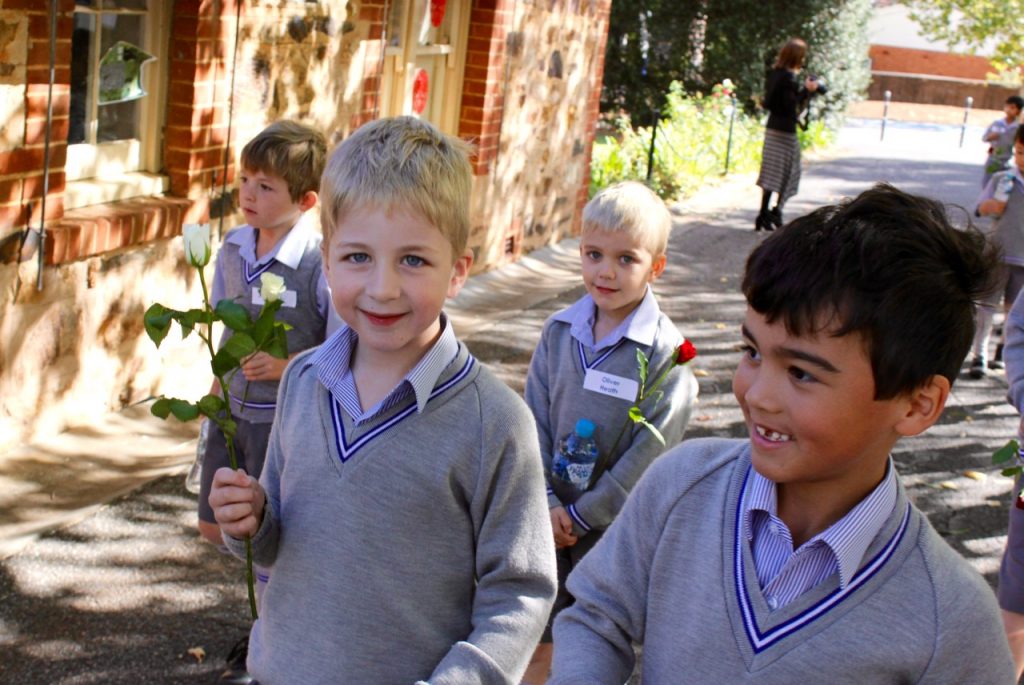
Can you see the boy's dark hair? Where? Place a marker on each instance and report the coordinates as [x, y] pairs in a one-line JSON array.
[[1015, 100], [1018, 137], [291, 150], [888, 265]]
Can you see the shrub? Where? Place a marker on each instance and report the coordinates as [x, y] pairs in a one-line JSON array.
[[690, 145]]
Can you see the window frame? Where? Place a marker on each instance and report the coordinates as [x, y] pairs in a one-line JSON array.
[[94, 162]]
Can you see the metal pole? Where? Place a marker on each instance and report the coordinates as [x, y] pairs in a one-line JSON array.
[[728, 144], [41, 255], [886, 98], [650, 153], [967, 111]]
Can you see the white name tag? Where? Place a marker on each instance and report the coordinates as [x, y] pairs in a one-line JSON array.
[[611, 385], [288, 297]]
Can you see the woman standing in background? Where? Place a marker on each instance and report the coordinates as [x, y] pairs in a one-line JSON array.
[[785, 98]]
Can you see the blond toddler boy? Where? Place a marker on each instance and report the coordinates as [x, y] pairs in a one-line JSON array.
[[585, 367]]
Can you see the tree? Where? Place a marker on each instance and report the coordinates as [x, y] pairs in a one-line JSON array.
[[648, 47], [702, 42], [973, 24]]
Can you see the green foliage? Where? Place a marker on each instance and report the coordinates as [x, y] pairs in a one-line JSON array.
[[973, 24], [183, 410], [690, 146], [157, 321], [1010, 453], [262, 335], [649, 46], [652, 43]]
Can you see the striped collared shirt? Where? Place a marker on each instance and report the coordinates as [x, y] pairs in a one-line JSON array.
[[333, 365], [640, 326], [785, 574]]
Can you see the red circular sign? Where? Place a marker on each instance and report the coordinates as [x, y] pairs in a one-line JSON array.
[[420, 89]]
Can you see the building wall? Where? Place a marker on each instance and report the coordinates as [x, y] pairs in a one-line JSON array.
[[75, 349], [936, 90], [930, 62]]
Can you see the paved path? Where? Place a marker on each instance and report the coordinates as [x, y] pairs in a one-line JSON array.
[[121, 592]]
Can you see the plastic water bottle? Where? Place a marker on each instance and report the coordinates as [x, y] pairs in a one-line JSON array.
[[192, 480], [1003, 188], [577, 453]]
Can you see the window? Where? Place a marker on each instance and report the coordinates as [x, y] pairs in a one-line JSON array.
[[117, 75]]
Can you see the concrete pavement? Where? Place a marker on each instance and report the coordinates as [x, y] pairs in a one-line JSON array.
[[119, 593]]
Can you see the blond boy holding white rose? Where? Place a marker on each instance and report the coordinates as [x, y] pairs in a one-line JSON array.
[[276, 254]]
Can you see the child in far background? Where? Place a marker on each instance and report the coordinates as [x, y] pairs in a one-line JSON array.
[[1011, 571], [622, 251], [1003, 199], [1000, 135], [280, 175]]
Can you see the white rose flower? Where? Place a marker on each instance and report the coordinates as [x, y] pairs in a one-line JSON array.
[[271, 287], [197, 244]]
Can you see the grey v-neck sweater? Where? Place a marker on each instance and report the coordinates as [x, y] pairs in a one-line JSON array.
[[675, 574], [414, 547], [557, 398]]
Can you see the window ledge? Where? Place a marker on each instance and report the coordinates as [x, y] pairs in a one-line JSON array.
[[112, 226], [96, 191]]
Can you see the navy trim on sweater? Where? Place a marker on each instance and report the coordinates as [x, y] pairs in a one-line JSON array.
[[346, 450], [762, 640]]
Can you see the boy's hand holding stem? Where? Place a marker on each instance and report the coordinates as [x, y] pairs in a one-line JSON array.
[[238, 502]]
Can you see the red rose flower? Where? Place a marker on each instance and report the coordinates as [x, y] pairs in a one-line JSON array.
[[685, 352]]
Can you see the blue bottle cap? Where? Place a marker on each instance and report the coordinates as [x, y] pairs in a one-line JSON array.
[[585, 428]]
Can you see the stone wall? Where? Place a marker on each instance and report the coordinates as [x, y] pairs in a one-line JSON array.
[[549, 89]]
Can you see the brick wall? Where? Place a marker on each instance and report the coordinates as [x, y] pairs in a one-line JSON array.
[[930, 62]]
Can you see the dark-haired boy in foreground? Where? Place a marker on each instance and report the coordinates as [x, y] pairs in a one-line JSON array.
[[795, 556]]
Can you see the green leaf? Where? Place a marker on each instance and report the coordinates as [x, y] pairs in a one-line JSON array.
[[1006, 453], [189, 319], [161, 408], [654, 431], [641, 362], [262, 329], [636, 415], [234, 315], [278, 345], [184, 411], [157, 321], [240, 345], [211, 405], [270, 308], [223, 362], [1012, 472], [228, 427]]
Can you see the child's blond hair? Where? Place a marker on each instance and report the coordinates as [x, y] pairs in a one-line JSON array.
[[290, 150], [631, 208], [400, 162]]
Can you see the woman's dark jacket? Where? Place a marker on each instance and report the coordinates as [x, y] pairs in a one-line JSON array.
[[785, 96]]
